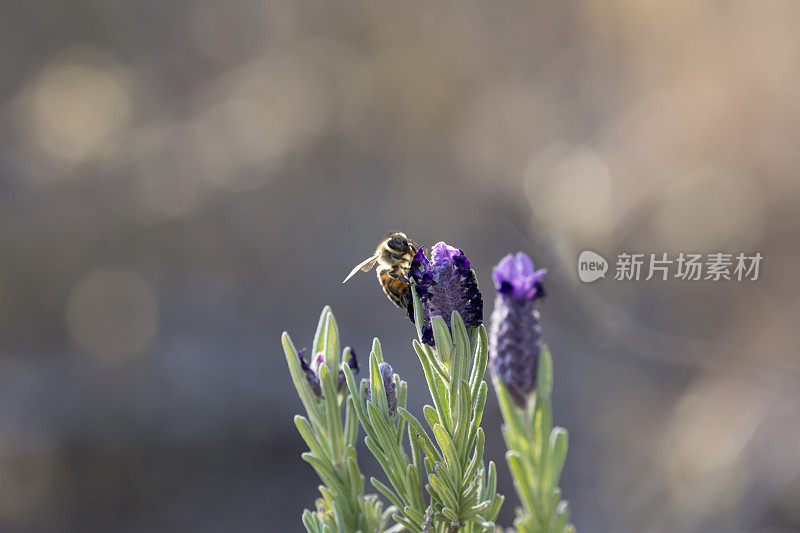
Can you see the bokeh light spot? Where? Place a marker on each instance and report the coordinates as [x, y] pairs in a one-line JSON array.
[[78, 102]]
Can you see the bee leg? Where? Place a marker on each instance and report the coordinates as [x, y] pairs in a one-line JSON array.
[[401, 278]]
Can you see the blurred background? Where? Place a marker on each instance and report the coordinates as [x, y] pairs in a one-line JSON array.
[[180, 182]]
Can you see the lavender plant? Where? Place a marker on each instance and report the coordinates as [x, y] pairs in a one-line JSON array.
[[523, 379], [436, 479], [343, 507]]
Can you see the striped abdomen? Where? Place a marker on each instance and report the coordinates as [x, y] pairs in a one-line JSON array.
[[396, 286]]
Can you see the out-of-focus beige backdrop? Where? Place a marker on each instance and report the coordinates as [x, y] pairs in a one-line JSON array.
[[181, 181]]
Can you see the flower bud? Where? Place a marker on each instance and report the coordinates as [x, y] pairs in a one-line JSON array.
[[312, 371]]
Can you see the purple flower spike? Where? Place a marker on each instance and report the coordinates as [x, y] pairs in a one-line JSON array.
[[445, 284], [312, 371], [515, 334]]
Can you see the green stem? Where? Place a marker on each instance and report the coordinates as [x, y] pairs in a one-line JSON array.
[[536, 454]]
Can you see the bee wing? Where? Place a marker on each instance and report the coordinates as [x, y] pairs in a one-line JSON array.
[[364, 266]]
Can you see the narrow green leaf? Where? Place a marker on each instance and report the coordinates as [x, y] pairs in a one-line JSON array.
[[310, 438], [319, 336], [414, 484], [463, 419], [311, 522], [418, 317], [477, 458], [494, 510], [491, 479], [477, 413], [396, 478], [520, 483], [440, 369], [355, 477], [429, 462], [326, 473], [397, 460], [541, 430], [358, 399], [350, 422], [413, 443], [377, 390], [480, 360], [512, 415], [414, 424], [307, 397], [323, 468], [376, 349], [400, 519], [338, 517], [473, 339], [326, 495], [447, 447], [450, 514], [332, 352], [438, 399], [558, 454], [431, 416], [333, 415], [544, 376], [561, 517], [443, 493], [461, 346], [444, 414], [475, 511], [450, 481], [444, 342], [385, 434], [402, 394], [384, 430], [386, 491]]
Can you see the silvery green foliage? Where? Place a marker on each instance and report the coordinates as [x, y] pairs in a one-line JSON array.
[[343, 507], [460, 492], [444, 485], [536, 454]]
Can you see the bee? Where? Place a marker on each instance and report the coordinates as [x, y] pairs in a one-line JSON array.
[[393, 257]]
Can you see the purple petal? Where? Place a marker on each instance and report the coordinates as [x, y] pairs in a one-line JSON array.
[[524, 265], [420, 257], [504, 270], [515, 277], [443, 253]]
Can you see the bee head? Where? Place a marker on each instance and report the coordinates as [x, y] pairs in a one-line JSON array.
[[397, 242]]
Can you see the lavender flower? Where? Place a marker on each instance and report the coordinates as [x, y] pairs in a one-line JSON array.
[[515, 334], [389, 386], [312, 370], [445, 284]]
